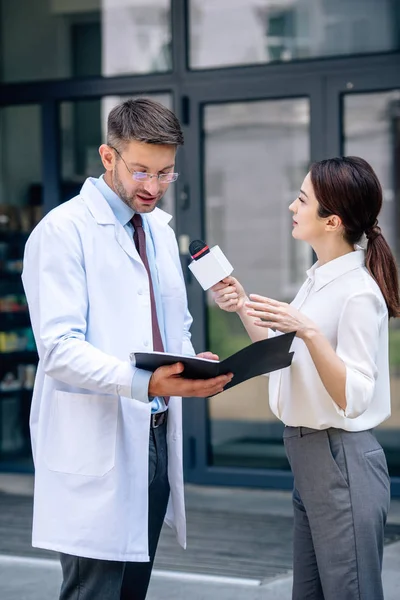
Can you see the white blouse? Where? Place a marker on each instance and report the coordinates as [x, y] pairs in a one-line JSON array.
[[347, 306]]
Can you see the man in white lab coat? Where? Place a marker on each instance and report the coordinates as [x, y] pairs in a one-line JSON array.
[[103, 279]]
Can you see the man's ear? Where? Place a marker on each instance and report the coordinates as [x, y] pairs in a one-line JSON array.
[[333, 223], [107, 156]]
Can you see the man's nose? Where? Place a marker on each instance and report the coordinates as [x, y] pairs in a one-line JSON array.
[[152, 186]]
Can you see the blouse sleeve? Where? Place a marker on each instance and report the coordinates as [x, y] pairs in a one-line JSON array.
[[358, 346]]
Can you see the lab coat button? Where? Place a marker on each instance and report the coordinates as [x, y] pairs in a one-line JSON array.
[[146, 343]]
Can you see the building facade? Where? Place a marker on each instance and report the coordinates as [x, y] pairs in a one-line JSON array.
[[262, 88]]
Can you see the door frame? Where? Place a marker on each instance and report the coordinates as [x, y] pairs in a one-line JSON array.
[[325, 89], [192, 224]]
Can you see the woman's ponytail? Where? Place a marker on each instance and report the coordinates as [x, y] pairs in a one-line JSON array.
[[381, 264], [347, 186]]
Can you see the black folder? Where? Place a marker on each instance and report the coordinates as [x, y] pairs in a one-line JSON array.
[[257, 359]]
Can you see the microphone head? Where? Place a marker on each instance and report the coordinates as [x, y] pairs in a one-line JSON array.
[[198, 248]]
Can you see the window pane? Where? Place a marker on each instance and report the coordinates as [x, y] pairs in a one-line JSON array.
[[50, 39], [244, 32], [83, 130], [256, 156], [20, 211], [372, 131]]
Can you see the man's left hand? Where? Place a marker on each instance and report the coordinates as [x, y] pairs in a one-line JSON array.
[[208, 355]]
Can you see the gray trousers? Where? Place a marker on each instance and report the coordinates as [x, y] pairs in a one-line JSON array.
[[92, 579], [341, 499]]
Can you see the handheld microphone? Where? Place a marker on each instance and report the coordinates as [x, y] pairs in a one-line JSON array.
[[209, 265]]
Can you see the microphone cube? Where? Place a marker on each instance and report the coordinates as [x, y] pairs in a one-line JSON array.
[[211, 268]]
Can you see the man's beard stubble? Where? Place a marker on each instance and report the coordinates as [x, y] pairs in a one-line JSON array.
[[125, 197], [121, 191]]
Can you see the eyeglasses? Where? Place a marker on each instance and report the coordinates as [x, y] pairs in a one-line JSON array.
[[142, 176]]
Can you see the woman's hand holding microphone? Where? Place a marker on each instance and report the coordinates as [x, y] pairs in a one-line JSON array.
[[229, 294], [259, 313]]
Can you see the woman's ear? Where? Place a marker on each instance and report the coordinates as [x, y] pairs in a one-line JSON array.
[[333, 223]]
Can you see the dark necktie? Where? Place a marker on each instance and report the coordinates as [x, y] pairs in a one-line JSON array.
[[139, 237]]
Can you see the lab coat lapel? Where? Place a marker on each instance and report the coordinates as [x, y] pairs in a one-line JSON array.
[[126, 242], [157, 221], [103, 214]]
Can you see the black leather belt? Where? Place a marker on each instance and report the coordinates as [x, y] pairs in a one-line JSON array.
[[158, 419]]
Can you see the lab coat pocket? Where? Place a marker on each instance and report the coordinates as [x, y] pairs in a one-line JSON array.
[[81, 435]]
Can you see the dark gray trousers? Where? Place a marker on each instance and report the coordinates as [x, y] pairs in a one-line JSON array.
[[341, 499], [92, 579]]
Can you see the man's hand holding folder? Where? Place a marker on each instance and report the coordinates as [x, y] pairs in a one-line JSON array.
[[170, 380], [201, 377]]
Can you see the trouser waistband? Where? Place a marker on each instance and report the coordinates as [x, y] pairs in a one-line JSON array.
[[299, 431]]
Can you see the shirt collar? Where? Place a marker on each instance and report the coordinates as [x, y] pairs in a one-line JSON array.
[[122, 211], [322, 275]]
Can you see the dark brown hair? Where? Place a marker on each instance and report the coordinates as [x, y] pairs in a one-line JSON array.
[[349, 188], [144, 120]]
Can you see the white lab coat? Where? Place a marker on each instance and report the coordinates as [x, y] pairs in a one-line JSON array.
[[88, 296]]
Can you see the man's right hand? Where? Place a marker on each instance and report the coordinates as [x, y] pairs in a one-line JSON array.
[[167, 381]]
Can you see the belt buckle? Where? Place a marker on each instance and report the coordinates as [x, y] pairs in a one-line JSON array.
[[154, 419]]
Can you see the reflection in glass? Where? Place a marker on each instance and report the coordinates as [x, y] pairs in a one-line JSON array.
[[20, 210], [256, 156], [83, 38], [83, 130], [372, 131], [243, 32]]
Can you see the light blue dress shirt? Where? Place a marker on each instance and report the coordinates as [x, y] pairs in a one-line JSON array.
[[124, 214]]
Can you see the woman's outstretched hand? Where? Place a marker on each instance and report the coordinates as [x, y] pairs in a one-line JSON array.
[[278, 316], [229, 294]]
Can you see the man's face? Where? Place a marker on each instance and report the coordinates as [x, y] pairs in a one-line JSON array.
[[141, 196]]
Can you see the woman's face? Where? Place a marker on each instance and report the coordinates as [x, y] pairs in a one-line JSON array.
[[307, 225]]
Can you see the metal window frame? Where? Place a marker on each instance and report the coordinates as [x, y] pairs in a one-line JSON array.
[[325, 91], [323, 80]]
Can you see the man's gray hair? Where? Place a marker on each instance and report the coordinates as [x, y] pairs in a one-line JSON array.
[[143, 120]]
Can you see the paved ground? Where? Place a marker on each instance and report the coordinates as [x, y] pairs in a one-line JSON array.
[[26, 581], [31, 578], [39, 579]]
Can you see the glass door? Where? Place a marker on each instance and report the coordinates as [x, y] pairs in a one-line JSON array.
[[256, 156], [255, 146]]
